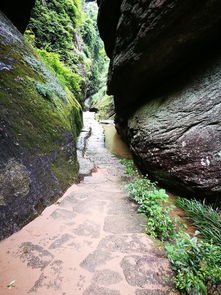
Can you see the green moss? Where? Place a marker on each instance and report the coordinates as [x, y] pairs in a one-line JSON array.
[[37, 120], [54, 25], [65, 75], [65, 170]]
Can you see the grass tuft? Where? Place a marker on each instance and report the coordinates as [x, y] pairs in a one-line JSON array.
[[204, 217]]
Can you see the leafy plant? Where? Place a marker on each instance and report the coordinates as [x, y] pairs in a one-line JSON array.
[[197, 265], [130, 168], [54, 25], [204, 217], [152, 202], [65, 75]]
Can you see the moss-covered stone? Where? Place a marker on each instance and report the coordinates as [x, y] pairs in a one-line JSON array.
[[39, 122], [14, 181]]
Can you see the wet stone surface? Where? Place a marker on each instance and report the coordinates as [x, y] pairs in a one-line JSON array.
[[107, 277], [88, 228], [151, 292], [52, 281], [142, 271], [122, 206], [124, 244], [92, 290], [61, 241], [63, 214], [91, 242], [118, 224], [96, 259], [35, 255]]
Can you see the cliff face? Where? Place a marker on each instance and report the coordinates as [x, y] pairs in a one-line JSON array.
[[165, 77], [39, 122]]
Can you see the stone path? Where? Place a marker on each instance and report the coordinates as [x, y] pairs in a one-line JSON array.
[[91, 242]]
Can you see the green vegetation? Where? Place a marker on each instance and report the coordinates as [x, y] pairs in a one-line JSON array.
[[54, 24], [101, 100], [94, 48], [67, 78], [151, 201], [130, 168], [67, 39], [204, 217], [40, 108], [195, 261], [42, 117], [63, 169], [197, 265], [54, 29]]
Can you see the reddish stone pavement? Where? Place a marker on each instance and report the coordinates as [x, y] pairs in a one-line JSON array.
[[90, 242]]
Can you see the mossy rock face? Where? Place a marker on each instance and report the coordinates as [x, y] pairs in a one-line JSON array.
[[39, 123]]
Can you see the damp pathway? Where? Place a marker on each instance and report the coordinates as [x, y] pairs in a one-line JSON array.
[[90, 242]]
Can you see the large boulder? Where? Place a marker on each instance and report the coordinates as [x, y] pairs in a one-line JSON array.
[[39, 123], [176, 137], [165, 77], [150, 41]]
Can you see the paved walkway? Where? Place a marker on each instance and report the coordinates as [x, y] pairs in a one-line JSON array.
[[91, 242]]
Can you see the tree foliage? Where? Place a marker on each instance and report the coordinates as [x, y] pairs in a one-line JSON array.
[[69, 30], [54, 25]]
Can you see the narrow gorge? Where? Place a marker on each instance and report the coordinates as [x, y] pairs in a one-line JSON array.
[[89, 209]]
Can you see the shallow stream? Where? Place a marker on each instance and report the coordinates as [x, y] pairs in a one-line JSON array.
[[114, 143]]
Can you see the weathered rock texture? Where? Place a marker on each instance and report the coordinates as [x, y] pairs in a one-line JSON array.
[[38, 120], [176, 138], [148, 41], [158, 51]]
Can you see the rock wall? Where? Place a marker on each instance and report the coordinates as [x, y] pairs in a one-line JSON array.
[[39, 123], [165, 77], [176, 137]]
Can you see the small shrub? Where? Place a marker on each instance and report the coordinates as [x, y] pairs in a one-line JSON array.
[[151, 203], [197, 265], [130, 168]]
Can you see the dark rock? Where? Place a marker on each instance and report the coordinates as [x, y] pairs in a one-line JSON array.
[[165, 77], [18, 12], [176, 137], [37, 138], [93, 110], [108, 16], [149, 41]]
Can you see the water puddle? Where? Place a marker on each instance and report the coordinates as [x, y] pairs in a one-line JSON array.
[[114, 143]]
